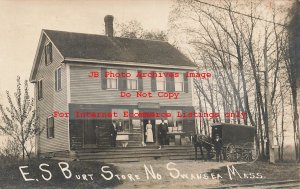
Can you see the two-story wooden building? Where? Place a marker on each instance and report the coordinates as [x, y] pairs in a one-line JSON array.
[[71, 103]]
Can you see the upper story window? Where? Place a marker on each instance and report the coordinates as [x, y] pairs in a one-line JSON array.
[[50, 127], [112, 82], [132, 81], [179, 83], [58, 79], [161, 83], [40, 89], [48, 54]]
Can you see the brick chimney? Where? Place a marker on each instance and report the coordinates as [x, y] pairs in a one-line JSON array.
[[109, 25]]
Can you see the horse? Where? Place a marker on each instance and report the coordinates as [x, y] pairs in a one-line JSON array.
[[205, 141]]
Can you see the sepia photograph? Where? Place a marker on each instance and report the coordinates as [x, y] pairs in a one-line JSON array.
[[149, 94]]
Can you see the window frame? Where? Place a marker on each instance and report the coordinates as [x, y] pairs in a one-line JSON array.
[[181, 81], [158, 80], [40, 94], [112, 78], [174, 120], [131, 79], [125, 121], [56, 79], [48, 53], [50, 128]]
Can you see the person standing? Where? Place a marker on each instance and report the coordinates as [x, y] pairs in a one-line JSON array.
[[163, 129], [149, 132], [113, 134], [218, 147]]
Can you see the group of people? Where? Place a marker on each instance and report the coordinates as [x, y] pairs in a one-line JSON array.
[[162, 136], [162, 132]]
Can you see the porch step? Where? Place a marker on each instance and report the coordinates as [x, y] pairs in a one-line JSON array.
[[131, 154], [154, 155], [152, 147], [140, 151]]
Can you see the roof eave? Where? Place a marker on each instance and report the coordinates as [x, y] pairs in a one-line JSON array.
[[69, 59], [38, 52], [32, 74]]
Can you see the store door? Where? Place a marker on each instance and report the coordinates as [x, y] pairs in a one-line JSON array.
[[89, 134]]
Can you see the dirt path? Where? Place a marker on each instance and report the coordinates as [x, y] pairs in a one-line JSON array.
[[189, 170]]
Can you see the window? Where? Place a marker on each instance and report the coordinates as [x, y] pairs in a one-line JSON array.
[[58, 79], [48, 54], [112, 82], [179, 83], [174, 120], [40, 89], [132, 81], [123, 123], [50, 127], [161, 83]]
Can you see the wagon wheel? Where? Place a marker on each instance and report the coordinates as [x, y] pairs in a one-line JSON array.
[[239, 152], [250, 152], [231, 154]]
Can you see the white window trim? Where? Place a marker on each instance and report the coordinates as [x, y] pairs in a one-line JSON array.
[[107, 78], [160, 80], [165, 85], [179, 82], [113, 89], [134, 78]]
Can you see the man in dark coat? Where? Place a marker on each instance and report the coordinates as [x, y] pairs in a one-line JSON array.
[[163, 129], [113, 134], [218, 147]]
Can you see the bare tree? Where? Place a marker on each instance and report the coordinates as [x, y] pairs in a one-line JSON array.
[[237, 48], [11, 150], [292, 60], [19, 120], [134, 29]]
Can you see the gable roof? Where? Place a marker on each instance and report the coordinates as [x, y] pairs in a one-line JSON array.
[[100, 47]]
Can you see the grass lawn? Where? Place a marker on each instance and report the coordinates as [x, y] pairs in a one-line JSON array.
[[260, 172], [11, 177]]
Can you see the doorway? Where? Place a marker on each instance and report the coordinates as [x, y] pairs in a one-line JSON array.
[[89, 134]]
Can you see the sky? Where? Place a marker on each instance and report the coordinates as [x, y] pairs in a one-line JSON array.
[[22, 22]]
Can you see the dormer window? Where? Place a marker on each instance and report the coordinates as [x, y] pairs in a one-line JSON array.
[[48, 54]]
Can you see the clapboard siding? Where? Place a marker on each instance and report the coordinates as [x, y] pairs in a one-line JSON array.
[[87, 90], [52, 101]]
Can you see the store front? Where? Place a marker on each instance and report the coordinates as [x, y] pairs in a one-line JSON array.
[[136, 125]]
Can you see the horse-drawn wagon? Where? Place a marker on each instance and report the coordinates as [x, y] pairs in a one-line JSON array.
[[238, 142]]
